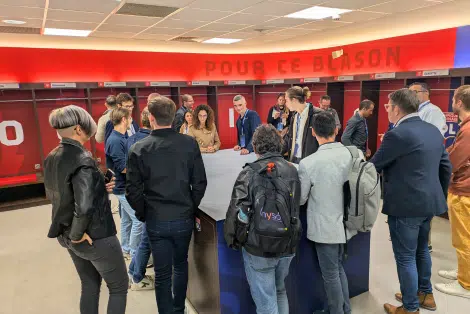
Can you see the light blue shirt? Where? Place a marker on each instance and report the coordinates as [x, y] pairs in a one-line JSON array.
[[433, 114]]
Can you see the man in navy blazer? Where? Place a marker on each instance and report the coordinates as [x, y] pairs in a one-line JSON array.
[[417, 172], [247, 123]]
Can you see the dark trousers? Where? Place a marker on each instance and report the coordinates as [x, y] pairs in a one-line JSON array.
[[169, 241], [330, 258], [410, 246], [102, 260]]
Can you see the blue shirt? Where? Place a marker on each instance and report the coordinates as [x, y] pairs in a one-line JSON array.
[[143, 133], [116, 158], [110, 128]]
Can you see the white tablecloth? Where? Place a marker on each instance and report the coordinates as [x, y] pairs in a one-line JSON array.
[[222, 169]]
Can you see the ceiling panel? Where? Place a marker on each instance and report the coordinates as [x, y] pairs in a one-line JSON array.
[[29, 22], [190, 24], [360, 16], [71, 25], [111, 35], [19, 13], [25, 3], [352, 4], [291, 32], [222, 27], [245, 18], [118, 19], [266, 30], [166, 31], [308, 2], [397, 6], [200, 15], [198, 33], [276, 8], [324, 24], [154, 37], [100, 6], [121, 28], [223, 5], [284, 22], [75, 16], [241, 35], [169, 3]]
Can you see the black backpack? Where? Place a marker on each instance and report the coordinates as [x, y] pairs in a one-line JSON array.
[[274, 225]]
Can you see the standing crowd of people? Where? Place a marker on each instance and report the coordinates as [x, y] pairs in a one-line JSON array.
[[157, 173]]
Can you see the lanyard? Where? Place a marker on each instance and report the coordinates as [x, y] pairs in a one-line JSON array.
[[243, 120], [423, 105]]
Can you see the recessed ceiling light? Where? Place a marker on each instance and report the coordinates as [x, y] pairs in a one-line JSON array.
[[221, 41], [317, 13], [14, 22], [66, 32]]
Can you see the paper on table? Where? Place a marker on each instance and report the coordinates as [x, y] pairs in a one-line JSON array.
[[231, 117]]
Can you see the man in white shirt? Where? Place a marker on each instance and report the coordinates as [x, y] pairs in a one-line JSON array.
[[429, 113]]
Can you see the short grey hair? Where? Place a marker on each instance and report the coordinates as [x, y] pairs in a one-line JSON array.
[[72, 115], [267, 139], [238, 98], [405, 99]]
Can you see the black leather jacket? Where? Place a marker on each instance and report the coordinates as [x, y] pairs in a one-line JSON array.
[[241, 197], [76, 188]]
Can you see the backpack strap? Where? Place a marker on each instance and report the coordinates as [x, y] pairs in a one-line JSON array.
[[255, 166], [353, 151]]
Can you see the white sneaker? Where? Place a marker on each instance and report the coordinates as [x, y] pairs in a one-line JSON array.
[[453, 288], [127, 257], [148, 283], [448, 274]]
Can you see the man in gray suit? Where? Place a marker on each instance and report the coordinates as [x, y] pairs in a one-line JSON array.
[[322, 176]]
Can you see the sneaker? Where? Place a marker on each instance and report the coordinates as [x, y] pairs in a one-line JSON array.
[[426, 300], [430, 248], [127, 256], [390, 309], [453, 288], [148, 283], [150, 262], [448, 274]]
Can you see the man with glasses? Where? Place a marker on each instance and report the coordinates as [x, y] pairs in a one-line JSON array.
[[123, 100], [429, 113]]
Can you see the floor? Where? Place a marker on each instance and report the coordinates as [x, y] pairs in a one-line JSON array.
[[37, 275]]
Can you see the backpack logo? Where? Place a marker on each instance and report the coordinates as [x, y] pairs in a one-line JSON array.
[[271, 216]]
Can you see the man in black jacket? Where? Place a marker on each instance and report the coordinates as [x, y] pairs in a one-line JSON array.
[[166, 181], [263, 268], [356, 132]]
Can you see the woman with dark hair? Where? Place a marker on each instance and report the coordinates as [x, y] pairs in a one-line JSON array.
[[279, 115], [82, 220], [204, 130], [187, 122]]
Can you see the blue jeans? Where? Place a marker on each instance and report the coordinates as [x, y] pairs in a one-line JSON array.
[[131, 227], [330, 258], [170, 244], [410, 246], [138, 266], [266, 278]]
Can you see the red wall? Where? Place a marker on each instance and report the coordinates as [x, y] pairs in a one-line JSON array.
[[352, 98], [386, 87], [432, 50]]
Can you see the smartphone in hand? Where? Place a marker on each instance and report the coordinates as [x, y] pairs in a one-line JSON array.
[[108, 176]]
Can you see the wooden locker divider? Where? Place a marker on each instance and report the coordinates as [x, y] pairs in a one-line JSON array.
[[371, 90]]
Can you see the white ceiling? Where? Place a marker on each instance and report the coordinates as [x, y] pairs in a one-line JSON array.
[[241, 19]]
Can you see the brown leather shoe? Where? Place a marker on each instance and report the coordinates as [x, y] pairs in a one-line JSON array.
[[426, 301], [390, 309]]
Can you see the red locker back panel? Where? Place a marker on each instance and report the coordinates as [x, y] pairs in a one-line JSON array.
[[228, 135], [266, 97], [352, 98], [199, 94], [19, 142], [386, 87], [145, 92], [48, 100], [318, 90], [440, 92]]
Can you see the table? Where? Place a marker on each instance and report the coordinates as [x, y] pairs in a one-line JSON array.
[[217, 280]]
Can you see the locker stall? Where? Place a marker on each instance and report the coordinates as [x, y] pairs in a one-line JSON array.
[[225, 112], [336, 91], [266, 97], [50, 99], [467, 80], [352, 98], [199, 93], [371, 90], [97, 98], [317, 90], [20, 148]]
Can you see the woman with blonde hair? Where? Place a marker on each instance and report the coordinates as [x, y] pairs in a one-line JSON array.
[[204, 130], [187, 122]]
